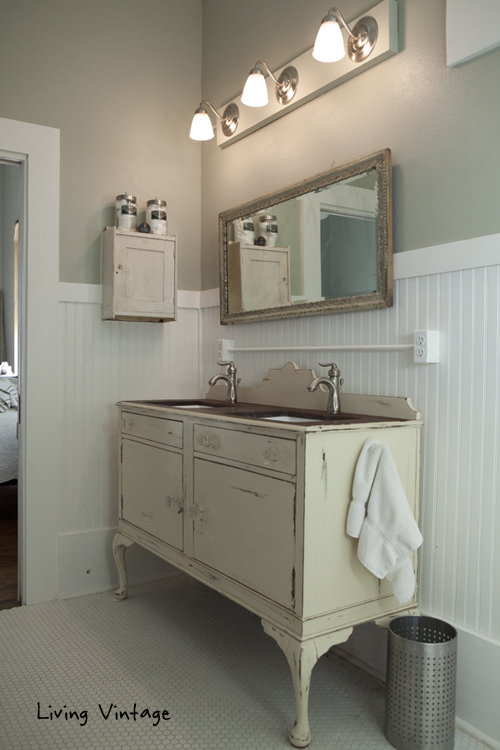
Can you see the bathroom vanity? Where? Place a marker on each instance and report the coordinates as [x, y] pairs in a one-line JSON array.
[[252, 499]]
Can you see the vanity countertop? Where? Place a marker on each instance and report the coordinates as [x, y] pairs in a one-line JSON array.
[[283, 417]]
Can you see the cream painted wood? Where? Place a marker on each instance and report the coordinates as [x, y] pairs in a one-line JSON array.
[[287, 386], [257, 450], [166, 431], [269, 535], [334, 578], [138, 276], [241, 515], [152, 490], [301, 657], [259, 277], [120, 544]]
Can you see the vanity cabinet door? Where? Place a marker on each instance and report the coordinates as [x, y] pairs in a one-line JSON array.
[[243, 526], [152, 491]]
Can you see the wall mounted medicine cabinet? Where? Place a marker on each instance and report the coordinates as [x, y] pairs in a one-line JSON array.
[[139, 276]]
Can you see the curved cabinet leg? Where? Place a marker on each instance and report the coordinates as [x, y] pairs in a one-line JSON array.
[[301, 657], [120, 544]]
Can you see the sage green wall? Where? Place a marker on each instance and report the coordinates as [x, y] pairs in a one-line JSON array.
[[121, 80], [443, 125]]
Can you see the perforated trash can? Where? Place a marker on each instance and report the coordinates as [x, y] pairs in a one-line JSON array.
[[421, 682]]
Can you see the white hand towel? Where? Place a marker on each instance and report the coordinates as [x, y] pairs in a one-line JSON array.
[[380, 516]]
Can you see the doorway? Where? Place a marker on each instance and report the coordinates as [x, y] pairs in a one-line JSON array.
[[11, 213], [37, 149]]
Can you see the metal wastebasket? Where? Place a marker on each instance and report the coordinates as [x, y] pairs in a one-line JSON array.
[[421, 681]]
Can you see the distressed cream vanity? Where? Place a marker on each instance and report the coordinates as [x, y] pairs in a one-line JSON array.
[[252, 499]]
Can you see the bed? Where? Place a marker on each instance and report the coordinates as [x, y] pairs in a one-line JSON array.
[[8, 431]]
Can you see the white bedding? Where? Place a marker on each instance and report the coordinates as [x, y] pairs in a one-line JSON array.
[[8, 445]]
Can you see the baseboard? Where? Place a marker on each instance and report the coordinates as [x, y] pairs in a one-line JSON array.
[[357, 662], [473, 732], [86, 564], [478, 686]]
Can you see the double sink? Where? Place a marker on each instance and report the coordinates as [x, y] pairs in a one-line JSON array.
[[259, 412]]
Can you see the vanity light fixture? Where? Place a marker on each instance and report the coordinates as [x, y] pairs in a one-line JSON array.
[[201, 126], [329, 45], [255, 91]]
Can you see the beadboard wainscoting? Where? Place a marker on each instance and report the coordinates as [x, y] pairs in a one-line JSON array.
[[460, 403], [102, 362]]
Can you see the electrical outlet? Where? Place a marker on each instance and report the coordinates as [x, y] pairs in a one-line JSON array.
[[223, 353], [426, 347]]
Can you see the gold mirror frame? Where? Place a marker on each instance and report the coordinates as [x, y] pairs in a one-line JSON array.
[[380, 162]]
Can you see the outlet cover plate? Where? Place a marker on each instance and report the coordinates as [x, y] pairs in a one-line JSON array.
[[425, 347], [223, 353]]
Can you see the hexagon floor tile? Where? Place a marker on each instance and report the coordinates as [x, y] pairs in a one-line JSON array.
[[72, 671]]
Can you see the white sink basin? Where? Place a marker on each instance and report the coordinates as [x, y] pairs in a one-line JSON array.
[[288, 419], [189, 406]]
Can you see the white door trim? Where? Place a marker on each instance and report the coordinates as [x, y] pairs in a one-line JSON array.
[[38, 148]]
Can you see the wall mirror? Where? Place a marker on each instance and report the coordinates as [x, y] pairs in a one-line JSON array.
[[328, 246]]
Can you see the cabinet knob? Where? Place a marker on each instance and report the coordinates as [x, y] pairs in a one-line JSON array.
[[203, 441], [270, 455], [126, 423], [195, 511], [174, 502]]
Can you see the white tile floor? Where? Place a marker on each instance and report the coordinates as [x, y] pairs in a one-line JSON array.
[[176, 646]]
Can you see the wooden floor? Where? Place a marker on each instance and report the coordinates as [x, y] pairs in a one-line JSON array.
[[8, 547]]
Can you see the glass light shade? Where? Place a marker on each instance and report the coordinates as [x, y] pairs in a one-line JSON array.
[[201, 127], [329, 44], [255, 91]]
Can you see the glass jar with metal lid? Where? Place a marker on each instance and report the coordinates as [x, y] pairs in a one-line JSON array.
[[244, 231], [126, 212], [156, 216], [268, 228]]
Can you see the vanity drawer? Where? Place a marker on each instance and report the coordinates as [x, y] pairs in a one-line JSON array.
[[166, 431], [278, 454]]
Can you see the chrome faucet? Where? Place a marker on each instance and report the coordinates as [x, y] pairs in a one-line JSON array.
[[230, 379], [333, 383]]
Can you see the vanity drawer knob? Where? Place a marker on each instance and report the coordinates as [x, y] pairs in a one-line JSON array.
[[126, 423], [174, 502], [270, 455], [203, 441]]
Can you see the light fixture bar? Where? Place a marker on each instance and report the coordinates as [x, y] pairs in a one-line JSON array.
[[317, 78]]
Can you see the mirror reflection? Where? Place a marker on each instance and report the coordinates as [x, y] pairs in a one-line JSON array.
[[324, 247]]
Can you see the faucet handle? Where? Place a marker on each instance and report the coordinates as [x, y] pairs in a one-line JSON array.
[[231, 369], [333, 372]]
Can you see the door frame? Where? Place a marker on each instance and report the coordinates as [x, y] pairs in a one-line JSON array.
[[38, 149]]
